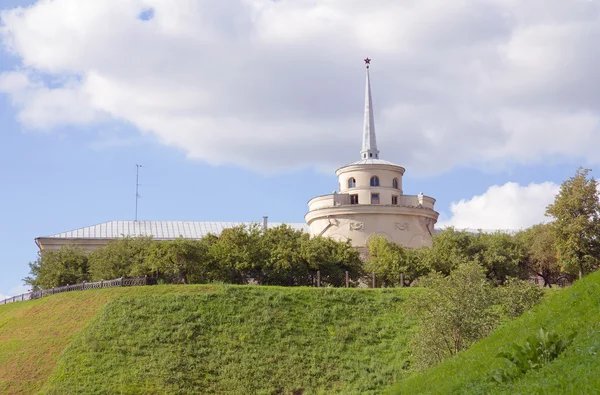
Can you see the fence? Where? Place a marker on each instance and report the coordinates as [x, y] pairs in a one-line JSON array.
[[119, 282], [286, 278]]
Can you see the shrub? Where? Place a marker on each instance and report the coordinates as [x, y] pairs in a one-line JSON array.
[[537, 351]]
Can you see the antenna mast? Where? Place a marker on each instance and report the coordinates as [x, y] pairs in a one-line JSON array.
[[137, 185]]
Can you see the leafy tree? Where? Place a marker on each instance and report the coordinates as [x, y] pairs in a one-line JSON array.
[[450, 248], [121, 258], [459, 309], [179, 260], [501, 254], [389, 260], [284, 263], [67, 265], [239, 251], [541, 258], [576, 226], [332, 258], [456, 311]]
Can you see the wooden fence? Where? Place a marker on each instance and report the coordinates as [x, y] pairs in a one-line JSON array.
[[118, 282]]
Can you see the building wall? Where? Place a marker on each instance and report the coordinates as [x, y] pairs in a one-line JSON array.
[[410, 222], [407, 230]]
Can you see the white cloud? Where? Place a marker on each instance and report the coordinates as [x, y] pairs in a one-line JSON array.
[[14, 291], [509, 206], [278, 84]]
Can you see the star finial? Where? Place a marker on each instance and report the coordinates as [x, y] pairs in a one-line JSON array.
[[367, 62]]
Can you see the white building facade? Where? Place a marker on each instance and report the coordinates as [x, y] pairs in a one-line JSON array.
[[370, 199]]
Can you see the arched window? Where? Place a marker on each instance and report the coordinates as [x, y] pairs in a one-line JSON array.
[[395, 183], [351, 182], [374, 181]]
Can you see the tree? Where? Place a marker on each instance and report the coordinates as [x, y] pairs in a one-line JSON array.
[[121, 258], [450, 248], [389, 261], [180, 260], [239, 251], [332, 258], [459, 309], [576, 226], [283, 263], [67, 265], [541, 255], [501, 254], [456, 311]]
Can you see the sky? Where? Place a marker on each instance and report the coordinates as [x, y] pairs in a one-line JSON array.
[[238, 109]]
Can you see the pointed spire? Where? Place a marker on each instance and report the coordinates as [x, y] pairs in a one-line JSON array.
[[369, 146]]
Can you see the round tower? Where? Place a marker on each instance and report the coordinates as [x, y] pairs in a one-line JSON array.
[[370, 200]]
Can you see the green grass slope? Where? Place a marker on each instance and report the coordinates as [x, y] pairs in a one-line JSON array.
[[263, 340], [575, 371], [33, 334]]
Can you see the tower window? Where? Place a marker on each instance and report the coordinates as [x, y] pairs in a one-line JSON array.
[[351, 182], [374, 181], [395, 183], [370, 155], [353, 199], [394, 199], [374, 198]]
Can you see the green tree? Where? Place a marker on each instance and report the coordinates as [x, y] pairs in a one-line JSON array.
[[541, 255], [389, 261], [456, 311], [450, 248], [240, 252], [501, 254], [67, 265], [459, 309], [576, 226], [179, 261], [123, 257], [332, 258], [283, 261]]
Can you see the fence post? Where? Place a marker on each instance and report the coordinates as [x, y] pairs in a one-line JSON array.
[[318, 278], [401, 280], [374, 280], [146, 279], [347, 279], [121, 284]]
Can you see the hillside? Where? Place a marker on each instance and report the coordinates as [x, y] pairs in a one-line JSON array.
[[186, 339], [575, 371]]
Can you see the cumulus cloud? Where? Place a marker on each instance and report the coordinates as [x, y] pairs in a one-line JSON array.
[[508, 206], [278, 84]]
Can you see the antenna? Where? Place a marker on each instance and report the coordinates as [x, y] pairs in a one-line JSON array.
[[137, 185]]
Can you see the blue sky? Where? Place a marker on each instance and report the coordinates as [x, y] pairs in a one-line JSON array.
[[239, 111]]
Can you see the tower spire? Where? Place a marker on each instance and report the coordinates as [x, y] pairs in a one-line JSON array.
[[369, 145]]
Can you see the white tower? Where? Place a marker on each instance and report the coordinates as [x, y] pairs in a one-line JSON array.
[[370, 200]]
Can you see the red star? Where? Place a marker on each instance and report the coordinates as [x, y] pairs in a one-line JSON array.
[[367, 61]]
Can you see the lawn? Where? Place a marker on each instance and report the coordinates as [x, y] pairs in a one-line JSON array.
[[206, 339], [576, 371]]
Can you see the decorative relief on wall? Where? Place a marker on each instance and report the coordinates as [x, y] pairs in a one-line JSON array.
[[356, 225], [402, 226]]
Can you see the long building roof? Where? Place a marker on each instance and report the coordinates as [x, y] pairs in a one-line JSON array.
[[165, 230]]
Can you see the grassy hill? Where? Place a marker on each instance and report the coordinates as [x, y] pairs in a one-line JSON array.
[[198, 339], [575, 371]]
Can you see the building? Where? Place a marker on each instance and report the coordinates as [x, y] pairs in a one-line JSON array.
[[370, 199], [96, 236]]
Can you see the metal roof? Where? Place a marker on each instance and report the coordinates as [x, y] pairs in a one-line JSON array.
[[164, 230]]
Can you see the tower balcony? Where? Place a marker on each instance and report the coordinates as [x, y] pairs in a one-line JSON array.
[[371, 197]]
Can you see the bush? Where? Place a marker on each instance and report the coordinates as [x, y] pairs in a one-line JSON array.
[[462, 308]]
